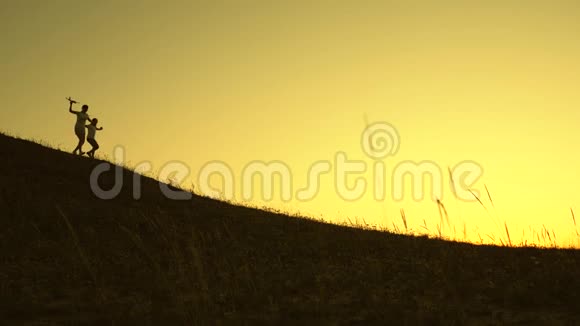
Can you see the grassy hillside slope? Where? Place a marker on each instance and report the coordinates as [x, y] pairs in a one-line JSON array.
[[68, 257]]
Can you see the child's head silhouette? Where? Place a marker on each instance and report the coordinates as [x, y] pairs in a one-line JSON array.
[[94, 121], [85, 108]]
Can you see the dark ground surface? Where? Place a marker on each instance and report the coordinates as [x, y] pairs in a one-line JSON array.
[[69, 258]]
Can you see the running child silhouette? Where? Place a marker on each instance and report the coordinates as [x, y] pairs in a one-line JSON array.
[[91, 137], [82, 116]]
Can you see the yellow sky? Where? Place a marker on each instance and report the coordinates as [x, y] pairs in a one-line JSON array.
[[494, 82]]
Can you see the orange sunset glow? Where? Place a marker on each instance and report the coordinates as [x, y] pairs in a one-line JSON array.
[[487, 89]]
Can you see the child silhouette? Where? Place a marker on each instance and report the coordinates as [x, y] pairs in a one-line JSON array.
[[91, 137]]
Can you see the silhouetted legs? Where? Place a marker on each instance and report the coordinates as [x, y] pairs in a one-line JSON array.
[[95, 145], [79, 147]]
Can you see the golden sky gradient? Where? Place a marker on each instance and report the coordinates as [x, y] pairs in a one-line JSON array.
[[494, 82]]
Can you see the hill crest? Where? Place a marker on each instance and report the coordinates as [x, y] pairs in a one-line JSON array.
[[70, 257]]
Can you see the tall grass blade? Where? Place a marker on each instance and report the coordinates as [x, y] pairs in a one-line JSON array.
[[507, 231], [489, 196], [404, 220], [479, 200]]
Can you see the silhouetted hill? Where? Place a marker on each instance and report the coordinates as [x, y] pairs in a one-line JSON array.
[[68, 257]]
